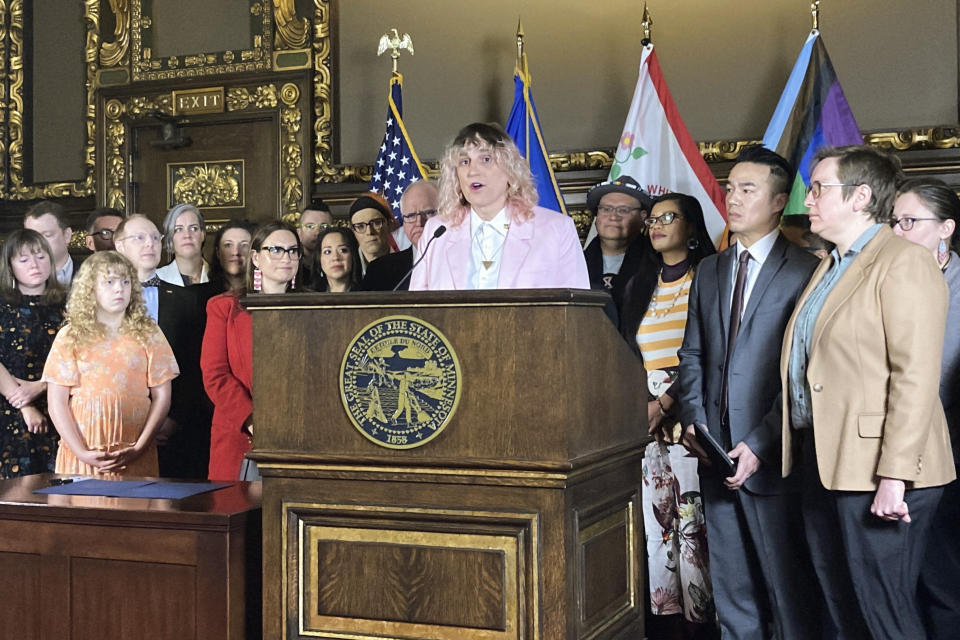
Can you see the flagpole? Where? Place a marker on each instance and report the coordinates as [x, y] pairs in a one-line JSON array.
[[815, 14], [647, 23]]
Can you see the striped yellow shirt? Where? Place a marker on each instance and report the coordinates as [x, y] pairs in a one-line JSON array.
[[661, 331]]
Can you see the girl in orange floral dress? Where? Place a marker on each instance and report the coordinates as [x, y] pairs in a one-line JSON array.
[[108, 374]]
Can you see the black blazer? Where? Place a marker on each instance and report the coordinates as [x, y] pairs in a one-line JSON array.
[[182, 320], [754, 385], [639, 255], [385, 272]]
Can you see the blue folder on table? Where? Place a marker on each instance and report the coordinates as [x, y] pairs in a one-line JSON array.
[[133, 489]]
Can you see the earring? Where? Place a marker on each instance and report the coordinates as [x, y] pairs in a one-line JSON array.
[[692, 243], [293, 282], [257, 280]]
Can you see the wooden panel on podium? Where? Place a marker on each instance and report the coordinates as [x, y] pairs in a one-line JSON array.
[[519, 519], [88, 567]]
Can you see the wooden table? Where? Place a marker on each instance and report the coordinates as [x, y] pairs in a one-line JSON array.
[[82, 567]]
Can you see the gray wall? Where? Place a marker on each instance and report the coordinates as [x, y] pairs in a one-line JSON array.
[[725, 62]]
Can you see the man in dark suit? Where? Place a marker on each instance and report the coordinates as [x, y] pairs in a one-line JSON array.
[[620, 248], [729, 375], [49, 219], [417, 205], [184, 437]]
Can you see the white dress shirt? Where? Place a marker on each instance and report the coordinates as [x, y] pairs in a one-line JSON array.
[[487, 238], [758, 251], [65, 273], [170, 273]]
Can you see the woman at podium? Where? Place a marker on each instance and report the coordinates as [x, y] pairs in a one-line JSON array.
[[490, 233]]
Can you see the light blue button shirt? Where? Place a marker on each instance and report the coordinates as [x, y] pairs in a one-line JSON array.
[[801, 412], [152, 299]]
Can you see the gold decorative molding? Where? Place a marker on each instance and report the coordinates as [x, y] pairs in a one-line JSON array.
[[3, 98], [257, 57], [16, 128], [209, 185], [262, 97], [291, 153], [114, 53], [119, 113], [916, 139], [291, 32], [324, 168]]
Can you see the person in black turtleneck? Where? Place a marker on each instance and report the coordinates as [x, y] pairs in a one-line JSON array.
[[620, 248], [653, 318]]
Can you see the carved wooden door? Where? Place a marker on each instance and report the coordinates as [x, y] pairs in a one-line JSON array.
[[228, 167]]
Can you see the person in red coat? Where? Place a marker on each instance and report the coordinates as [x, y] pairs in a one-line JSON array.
[[227, 356]]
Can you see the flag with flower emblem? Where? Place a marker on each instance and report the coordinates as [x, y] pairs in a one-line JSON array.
[[657, 151], [397, 163]]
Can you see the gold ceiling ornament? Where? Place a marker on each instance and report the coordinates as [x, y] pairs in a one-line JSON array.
[[290, 32], [113, 53], [395, 44], [17, 128]]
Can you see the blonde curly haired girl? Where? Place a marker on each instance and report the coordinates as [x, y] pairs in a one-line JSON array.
[[108, 374]]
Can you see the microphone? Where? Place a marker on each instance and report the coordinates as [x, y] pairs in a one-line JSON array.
[[436, 234]]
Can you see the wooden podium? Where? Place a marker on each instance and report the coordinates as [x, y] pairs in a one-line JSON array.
[[519, 519]]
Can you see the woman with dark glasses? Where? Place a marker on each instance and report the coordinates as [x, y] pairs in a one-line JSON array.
[[227, 356]]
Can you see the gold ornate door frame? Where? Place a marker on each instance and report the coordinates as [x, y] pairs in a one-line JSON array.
[[285, 99]]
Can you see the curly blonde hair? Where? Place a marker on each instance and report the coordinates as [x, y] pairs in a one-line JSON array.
[[81, 314], [522, 194]]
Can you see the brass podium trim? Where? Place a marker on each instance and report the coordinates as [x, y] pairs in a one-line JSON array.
[[514, 547]]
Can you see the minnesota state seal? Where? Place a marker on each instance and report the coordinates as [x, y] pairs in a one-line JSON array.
[[400, 382]]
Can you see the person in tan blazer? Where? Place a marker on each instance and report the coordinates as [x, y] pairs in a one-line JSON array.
[[862, 419]]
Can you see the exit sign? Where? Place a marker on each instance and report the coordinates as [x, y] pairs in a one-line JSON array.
[[198, 101]]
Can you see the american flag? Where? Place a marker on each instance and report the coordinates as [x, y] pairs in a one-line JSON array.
[[397, 163]]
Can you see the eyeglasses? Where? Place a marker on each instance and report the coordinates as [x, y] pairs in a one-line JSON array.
[[907, 223], [313, 226], [607, 210], [665, 219], [816, 188], [106, 234], [141, 238], [423, 215], [193, 228], [375, 225], [277, 252]]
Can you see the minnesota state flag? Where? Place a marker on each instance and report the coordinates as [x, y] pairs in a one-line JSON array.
[[523, 125]]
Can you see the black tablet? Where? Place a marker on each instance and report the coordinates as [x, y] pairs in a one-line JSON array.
[[723, 463]]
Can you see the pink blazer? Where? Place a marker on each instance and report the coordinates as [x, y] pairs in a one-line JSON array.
[[543, 252]]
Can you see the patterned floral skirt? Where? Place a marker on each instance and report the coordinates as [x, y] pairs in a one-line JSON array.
[[676, 534]]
